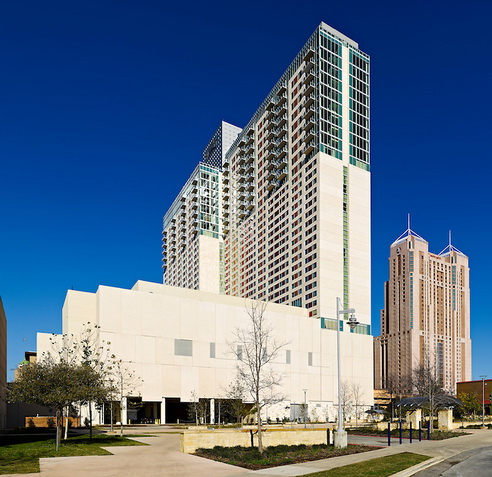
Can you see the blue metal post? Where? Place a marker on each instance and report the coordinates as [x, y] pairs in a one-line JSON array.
[[411, 431], [429, 430], [420, 430], [389, 434], [401, 433]]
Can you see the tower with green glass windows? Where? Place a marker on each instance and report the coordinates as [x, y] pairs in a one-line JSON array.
[[296, 186]]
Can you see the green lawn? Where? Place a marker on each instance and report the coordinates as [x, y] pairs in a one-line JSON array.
[[381, 467], [20, 454]]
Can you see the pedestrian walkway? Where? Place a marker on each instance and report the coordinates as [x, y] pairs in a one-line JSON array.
[[437, 450], [163, 458]]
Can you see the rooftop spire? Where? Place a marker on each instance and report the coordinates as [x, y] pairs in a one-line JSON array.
[[450, 248], [408, 233]]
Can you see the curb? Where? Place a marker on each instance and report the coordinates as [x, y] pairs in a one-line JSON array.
[[417, 468]]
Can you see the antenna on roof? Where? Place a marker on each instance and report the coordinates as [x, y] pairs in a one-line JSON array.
[[450, 238], [408, 221]]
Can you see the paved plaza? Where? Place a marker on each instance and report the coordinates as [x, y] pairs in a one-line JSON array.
[[163, 458]]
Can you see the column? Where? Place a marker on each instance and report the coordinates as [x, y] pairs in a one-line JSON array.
[[212, 411], [163, 411]]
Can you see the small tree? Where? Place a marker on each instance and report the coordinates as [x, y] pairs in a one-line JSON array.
[[255, 347], [53, 384], [345, 400], [471, 404], [426, 382], [357, 395], [85, 349], [122, 382], [234, 402]]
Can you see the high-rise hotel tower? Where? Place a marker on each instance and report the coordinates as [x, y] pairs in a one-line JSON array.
[[295, 188], [426, 316]]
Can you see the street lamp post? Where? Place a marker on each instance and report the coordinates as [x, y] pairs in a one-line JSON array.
[[305, 408], [483, 376], [340, 437]]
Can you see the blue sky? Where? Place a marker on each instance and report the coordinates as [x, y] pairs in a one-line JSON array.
[[105, 107]]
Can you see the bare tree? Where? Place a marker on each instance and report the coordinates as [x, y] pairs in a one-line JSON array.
[[345, 400], [397, 387], [357, 395], [427, 382], [255, 347], [234, 403], [123, 382]]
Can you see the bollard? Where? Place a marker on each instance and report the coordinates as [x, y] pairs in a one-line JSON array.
[[411, 430], [401, 433], [429, 430], [420, 430], [389, 434]]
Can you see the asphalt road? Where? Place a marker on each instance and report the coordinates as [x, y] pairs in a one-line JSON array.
[[471, 463]]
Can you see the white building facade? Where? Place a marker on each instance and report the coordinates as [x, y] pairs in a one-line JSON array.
[[178, 341]]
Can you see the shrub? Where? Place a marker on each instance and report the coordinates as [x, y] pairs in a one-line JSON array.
[[50, 422], [30, 423]]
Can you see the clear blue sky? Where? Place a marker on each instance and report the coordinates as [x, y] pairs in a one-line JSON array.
[[106, 106]]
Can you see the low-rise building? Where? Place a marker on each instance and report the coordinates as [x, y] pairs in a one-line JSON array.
[[180, 342]]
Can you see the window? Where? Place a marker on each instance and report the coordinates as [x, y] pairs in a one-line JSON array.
[[212, 350], [310, 358], [183, 347], [239, 352], [287, 356]]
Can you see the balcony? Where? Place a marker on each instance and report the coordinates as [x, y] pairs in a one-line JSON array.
[[311, 134], [308, 66], [250, 157], [250, 205], [281, 129], [309, 147], [308, 76], [309, 54], [309, 111], [282, 140], [281, 152], [283, 172], [270, 132], [310, 98], [280, 109], [282, 89], [280, 120]]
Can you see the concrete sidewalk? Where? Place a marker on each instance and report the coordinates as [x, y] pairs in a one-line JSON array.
[[437, 450], [163, 458]]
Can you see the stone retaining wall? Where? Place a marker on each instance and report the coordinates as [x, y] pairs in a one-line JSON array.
[[193, 440]]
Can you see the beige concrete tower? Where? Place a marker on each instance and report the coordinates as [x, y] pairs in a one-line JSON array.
[[296, 186], [426, 314]]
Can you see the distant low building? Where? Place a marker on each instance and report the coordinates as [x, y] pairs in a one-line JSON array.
[[479, 388]]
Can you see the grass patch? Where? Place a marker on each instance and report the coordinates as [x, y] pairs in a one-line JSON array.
[[381, 467], [250, 458], [21, 454]]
